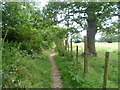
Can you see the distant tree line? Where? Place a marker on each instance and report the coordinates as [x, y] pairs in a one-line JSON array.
[[109, 38]]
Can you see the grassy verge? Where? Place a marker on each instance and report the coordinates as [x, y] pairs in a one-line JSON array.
[[23, 70], [72, 69]]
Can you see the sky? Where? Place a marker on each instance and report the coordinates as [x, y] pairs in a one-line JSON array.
[[98, 35]]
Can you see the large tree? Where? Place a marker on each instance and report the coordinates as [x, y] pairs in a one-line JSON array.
[[90, 16]]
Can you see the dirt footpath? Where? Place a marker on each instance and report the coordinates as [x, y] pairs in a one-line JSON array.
[[57, 82]]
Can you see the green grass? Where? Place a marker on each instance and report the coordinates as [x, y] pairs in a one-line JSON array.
[[72, 69], [23, 70]]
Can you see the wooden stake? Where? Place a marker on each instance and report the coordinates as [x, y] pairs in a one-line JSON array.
[[71, 45], [106, 70], [77, 51], [66, 44]]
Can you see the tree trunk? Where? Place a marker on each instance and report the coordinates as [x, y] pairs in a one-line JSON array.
[[91, 32]]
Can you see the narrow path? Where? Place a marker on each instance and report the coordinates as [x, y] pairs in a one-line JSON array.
[[57, 82]]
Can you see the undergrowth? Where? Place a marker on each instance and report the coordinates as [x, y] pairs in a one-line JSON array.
[[24, 70]]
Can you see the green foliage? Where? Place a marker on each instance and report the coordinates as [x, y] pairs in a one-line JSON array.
[[112, 29], [23, 70], [27, 32], [77, 38], [22, 22], [55, 34], [15, 20]]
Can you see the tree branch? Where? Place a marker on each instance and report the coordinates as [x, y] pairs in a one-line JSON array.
[[78, 11]]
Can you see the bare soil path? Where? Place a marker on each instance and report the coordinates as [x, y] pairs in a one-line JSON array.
[[57, 82]]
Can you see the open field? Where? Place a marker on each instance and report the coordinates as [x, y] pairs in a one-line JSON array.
[[101, 48], [104, 46]]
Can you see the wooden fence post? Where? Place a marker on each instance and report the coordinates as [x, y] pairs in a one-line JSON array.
[[71, 45], [77, 51], [85, 56], [106, 70], [66, 44]]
